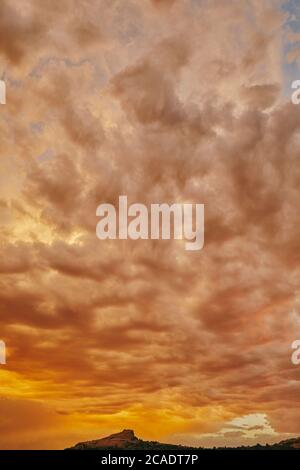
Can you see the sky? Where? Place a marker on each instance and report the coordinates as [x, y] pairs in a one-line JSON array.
[[162, 101]]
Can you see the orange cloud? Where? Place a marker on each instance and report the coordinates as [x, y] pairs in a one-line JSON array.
[[184, 106]]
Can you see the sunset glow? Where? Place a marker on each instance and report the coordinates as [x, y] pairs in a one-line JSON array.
[[164, 101]]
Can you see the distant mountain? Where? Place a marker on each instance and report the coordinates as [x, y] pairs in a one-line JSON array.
[[289, 444], [123, 440], [128, 440]]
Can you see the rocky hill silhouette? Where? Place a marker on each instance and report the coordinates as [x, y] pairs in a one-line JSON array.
[[123, 440], [126, 439]]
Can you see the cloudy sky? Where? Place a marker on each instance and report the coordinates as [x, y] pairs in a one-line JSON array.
[[162, 101]]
